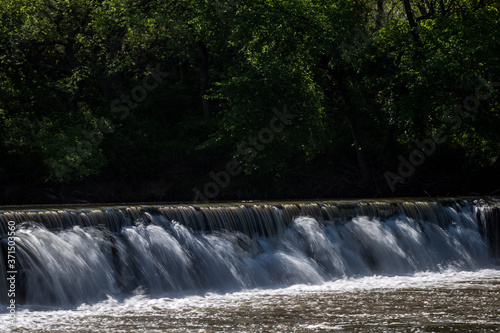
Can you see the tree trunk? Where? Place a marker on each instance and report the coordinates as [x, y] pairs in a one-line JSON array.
[[380, 13], [411, 21]]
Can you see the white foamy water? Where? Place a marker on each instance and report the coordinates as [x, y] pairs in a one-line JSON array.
[[368, 274], [427, 301], [84, 265]]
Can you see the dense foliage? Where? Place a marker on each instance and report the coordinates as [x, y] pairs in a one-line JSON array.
[[135, 100]]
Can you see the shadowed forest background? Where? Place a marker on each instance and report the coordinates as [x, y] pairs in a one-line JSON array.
[[114, 101]]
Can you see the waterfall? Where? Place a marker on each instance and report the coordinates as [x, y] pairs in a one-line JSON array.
[[74, 256]]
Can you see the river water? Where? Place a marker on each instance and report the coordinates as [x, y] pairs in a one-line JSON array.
[[447, 301], [432, 269]]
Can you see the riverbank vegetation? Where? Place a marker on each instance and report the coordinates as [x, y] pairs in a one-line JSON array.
[[144, 100]]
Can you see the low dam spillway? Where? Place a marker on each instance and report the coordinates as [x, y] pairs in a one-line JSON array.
[[66, 257]]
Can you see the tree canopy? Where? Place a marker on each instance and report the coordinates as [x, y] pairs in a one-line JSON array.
[[137, 100]]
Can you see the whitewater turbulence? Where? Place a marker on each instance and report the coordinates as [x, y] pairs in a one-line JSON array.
[[270, 246]]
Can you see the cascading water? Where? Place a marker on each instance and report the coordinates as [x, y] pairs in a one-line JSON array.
[[68, 257]]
